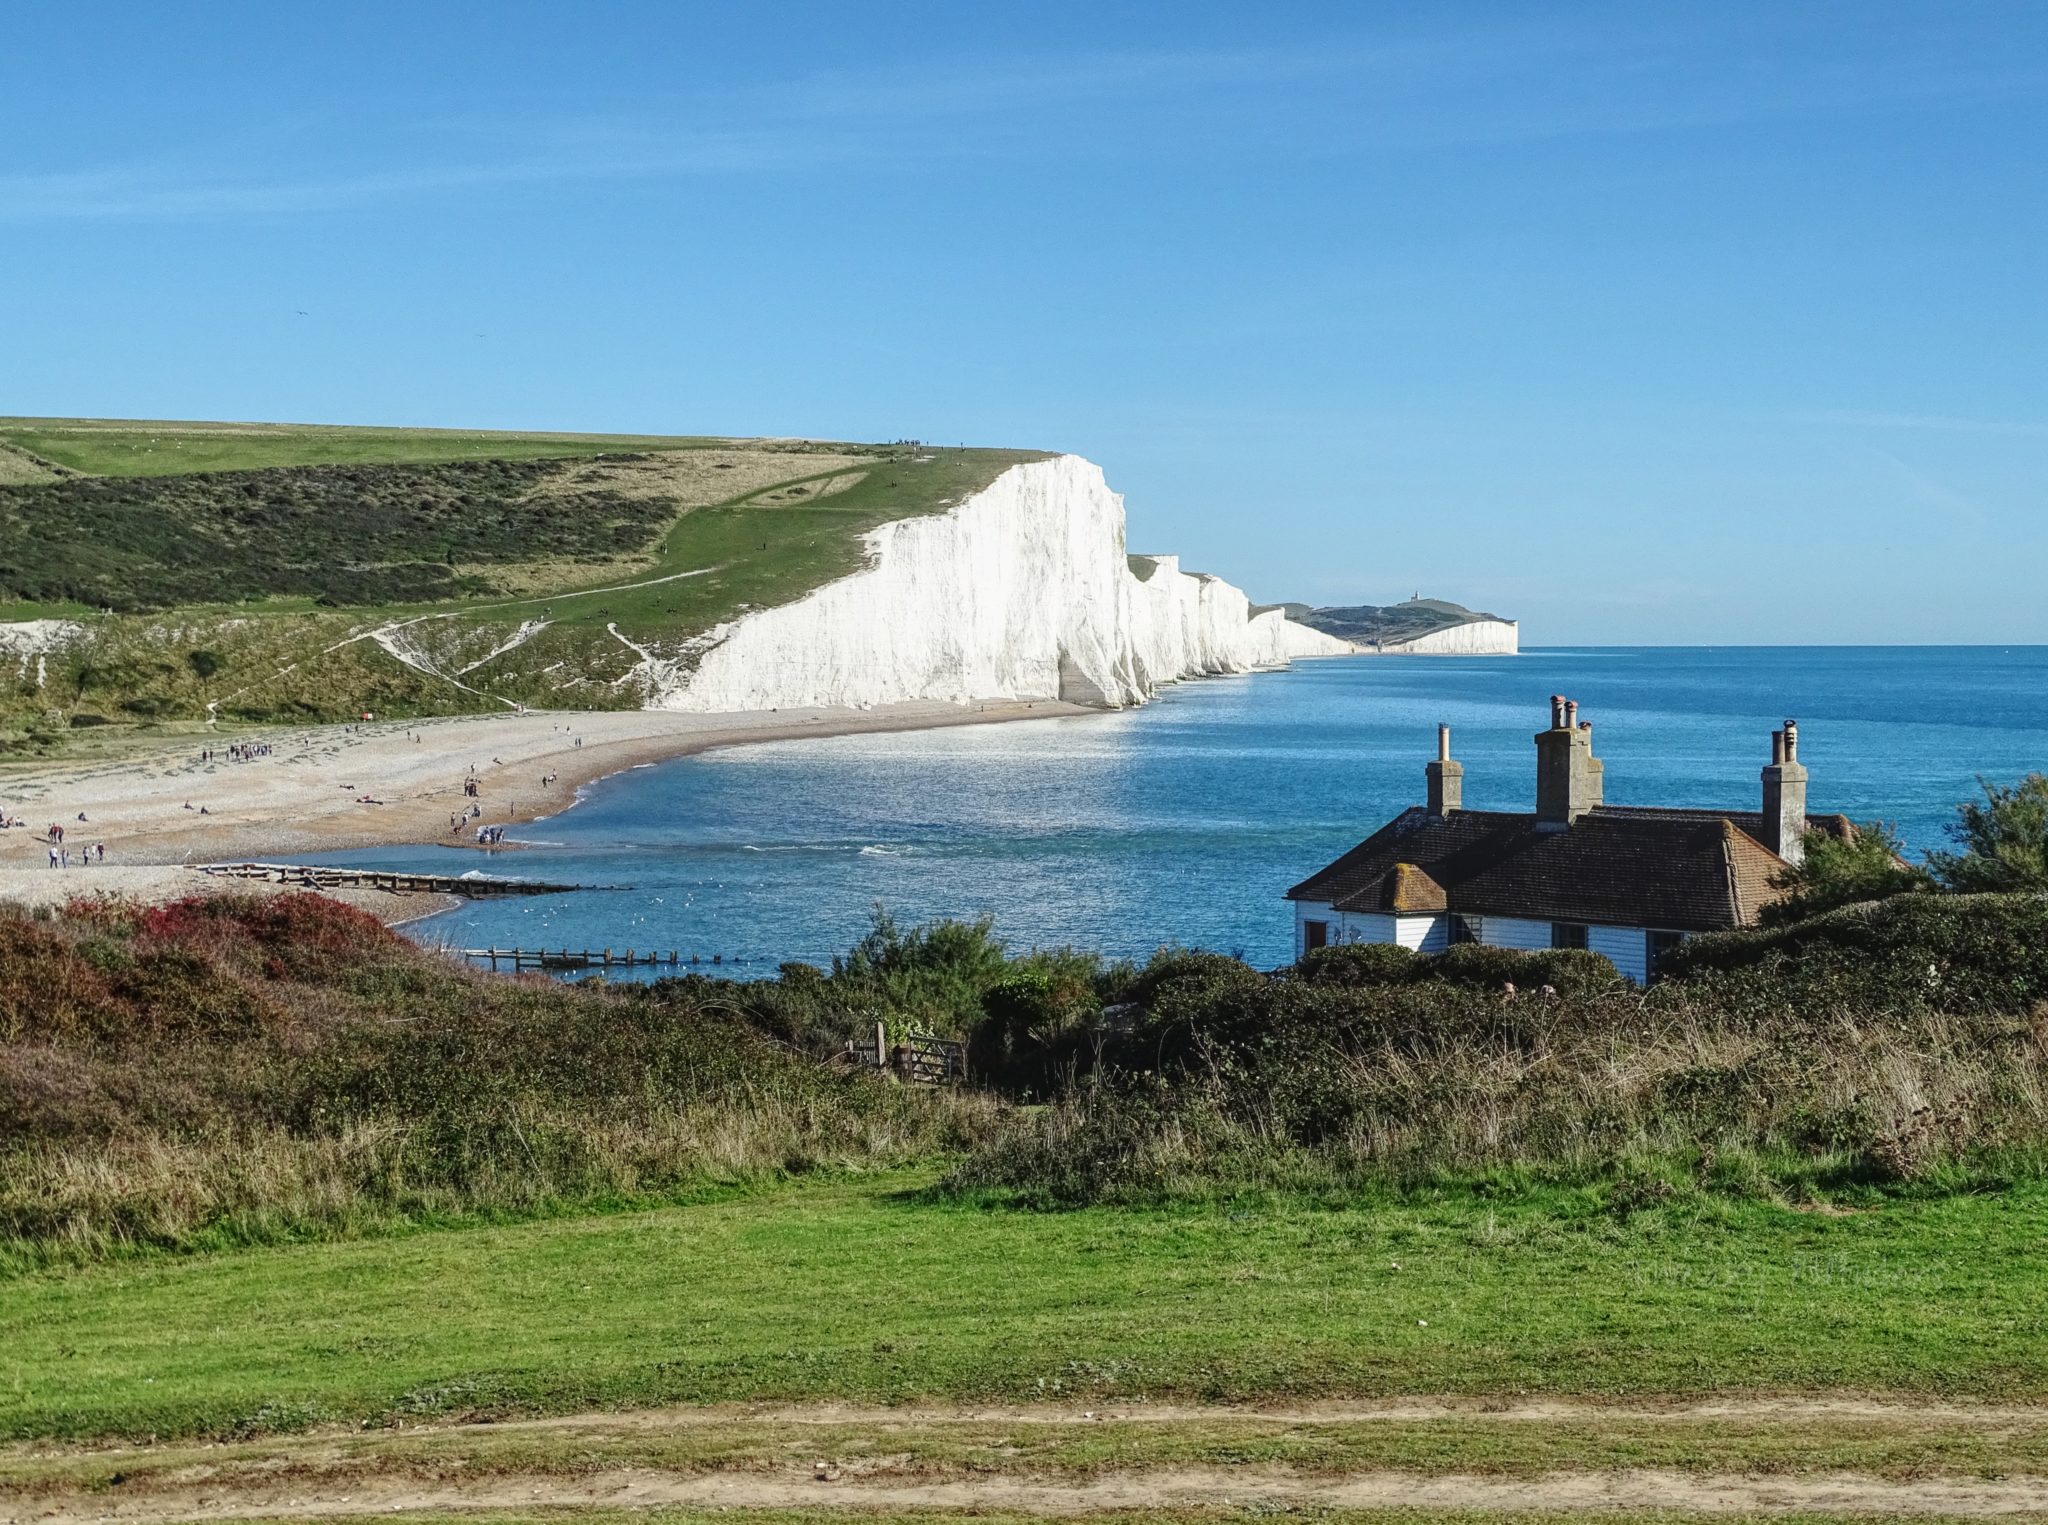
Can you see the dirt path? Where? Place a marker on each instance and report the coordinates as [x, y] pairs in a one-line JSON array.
[[1335, 1411], [1631, 1490], [861, 1458]]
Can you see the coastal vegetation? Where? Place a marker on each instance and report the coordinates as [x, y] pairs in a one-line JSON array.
[[289, 573], [357, 535]]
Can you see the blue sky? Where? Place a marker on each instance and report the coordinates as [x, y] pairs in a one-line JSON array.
[[1644, 323]]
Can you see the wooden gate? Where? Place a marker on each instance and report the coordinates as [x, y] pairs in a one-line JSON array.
[[931, 1061]]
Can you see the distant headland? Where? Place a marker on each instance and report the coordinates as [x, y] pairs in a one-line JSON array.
[[1417, 626]]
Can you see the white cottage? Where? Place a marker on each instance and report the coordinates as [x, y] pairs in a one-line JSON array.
[[1623, 881]]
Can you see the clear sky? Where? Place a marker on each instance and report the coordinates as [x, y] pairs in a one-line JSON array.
[[1721, 322]]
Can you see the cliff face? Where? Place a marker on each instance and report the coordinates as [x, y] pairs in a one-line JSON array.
[[1474, 638], [1417, 626], [1023, 591]]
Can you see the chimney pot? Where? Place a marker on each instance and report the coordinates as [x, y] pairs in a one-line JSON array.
[[1571, 714], [1443, 743], [1791, 741]]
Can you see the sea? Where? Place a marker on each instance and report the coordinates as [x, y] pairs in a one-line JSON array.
[[1182, 823]]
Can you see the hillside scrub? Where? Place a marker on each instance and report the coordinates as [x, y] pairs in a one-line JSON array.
[[226, 1070], [343, 535], [1892, 1045], [230, 1071]]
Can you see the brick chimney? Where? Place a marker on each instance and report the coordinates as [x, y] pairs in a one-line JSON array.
[[1785, 796], [1446, 778], [1568, 775]]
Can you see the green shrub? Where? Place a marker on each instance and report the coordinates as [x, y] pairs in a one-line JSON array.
[[1867, 865], [2004, 840], [1357, 964]]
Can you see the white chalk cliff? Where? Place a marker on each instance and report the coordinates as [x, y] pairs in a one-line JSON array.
[[1474, 638], [1022, 591]]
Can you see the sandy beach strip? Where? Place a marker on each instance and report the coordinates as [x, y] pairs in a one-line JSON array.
[[323, 788]]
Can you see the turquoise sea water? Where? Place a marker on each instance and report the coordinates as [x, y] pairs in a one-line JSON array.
[[1183, 822]]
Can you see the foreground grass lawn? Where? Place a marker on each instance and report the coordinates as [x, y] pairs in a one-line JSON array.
[[856, 1290]]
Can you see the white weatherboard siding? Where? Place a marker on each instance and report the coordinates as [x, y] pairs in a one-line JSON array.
[[1423, 934], [1023, 591], [1625, 946], [1418, 933], [1510, 932], [1475, 638]]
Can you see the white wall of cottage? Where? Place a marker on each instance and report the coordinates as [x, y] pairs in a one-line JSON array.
[[1626, 947]]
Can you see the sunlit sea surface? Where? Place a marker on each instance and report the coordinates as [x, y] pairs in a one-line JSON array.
[[1183, 822]]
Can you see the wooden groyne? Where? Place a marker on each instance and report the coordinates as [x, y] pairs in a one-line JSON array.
[[587, 958], [315, 876]]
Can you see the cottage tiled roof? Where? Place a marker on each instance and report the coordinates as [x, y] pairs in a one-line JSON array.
[[1684, 870]]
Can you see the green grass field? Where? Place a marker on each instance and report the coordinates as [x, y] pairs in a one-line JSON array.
[[144, 448], [861, 1291]]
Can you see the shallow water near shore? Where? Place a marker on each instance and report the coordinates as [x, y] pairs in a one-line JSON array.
[[1185, 821]]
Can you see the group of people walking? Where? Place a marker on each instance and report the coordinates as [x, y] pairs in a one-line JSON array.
[[236, 751], [60, 850]]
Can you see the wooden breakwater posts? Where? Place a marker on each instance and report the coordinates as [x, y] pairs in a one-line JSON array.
[[315, 876], [586, 958]]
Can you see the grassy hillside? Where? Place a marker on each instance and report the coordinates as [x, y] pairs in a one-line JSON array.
[[291, 572]]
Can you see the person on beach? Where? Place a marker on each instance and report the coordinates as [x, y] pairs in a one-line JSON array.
[[53, 857]]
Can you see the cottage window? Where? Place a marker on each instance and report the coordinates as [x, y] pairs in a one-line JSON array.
[[1314, 935], [1463, 931], [1567, 934], [1655, 946]]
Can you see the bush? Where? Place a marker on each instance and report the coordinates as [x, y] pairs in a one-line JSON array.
[[1034, 1022], [1353, 965], [2004, 840], [1895, 1042], [1833, 871], [1960, 954], [230, 1070]]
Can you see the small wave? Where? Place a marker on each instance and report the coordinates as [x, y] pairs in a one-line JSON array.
[[884, 852]]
